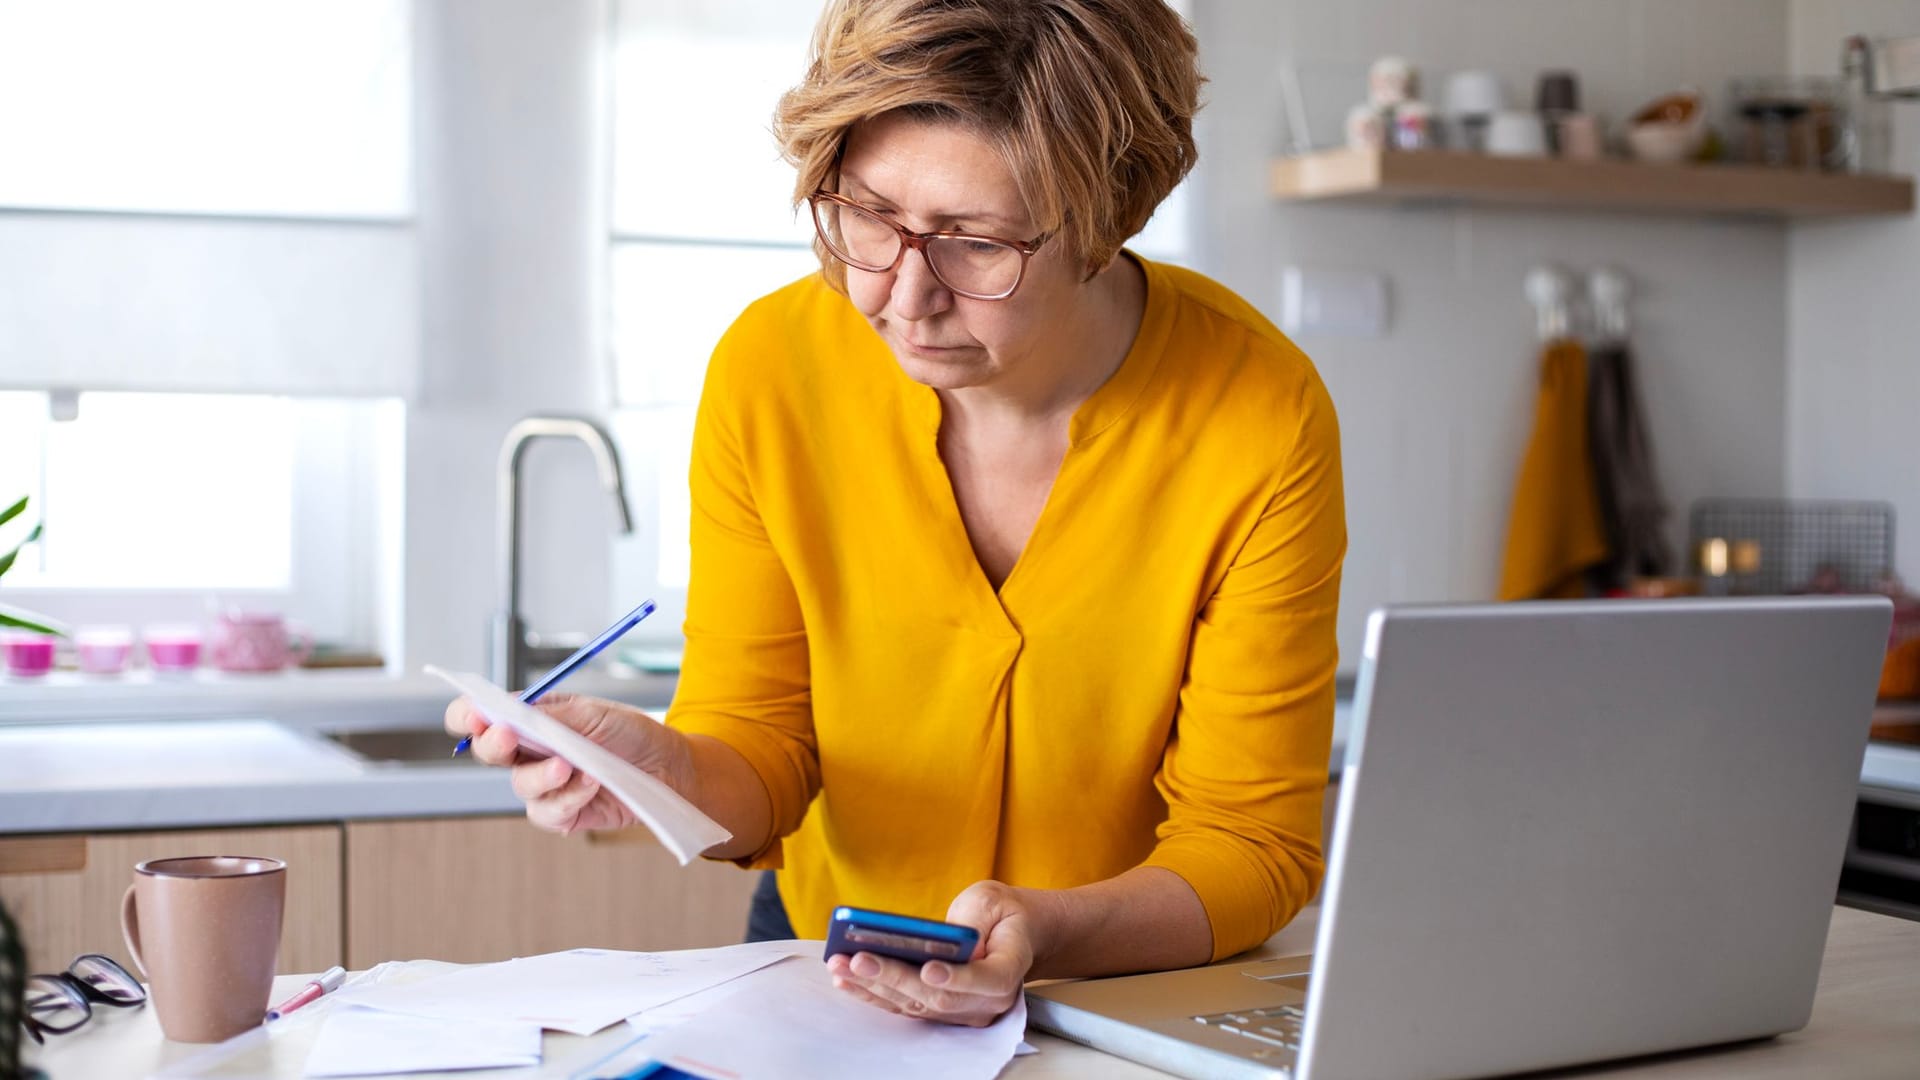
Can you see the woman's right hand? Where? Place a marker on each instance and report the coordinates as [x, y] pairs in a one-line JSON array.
[[559, 797]]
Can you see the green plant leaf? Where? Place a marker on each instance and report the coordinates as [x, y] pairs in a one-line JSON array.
[[6, 561], [13, 511], [27, 620]]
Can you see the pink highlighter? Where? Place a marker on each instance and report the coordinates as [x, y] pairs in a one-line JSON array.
[[325, 984]]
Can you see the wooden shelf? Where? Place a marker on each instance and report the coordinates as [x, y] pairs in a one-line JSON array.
[[1395, 177]]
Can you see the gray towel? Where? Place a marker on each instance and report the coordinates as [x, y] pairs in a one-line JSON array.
[[1633, 510]]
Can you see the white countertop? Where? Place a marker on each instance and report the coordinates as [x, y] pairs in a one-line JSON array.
[[180, 774]]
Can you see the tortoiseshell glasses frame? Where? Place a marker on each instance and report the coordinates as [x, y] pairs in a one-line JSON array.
[[979, 263]]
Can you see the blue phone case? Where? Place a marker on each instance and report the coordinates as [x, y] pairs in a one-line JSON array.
[[902, 937]]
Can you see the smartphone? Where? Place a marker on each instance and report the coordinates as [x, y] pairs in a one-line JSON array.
[[902, 937]]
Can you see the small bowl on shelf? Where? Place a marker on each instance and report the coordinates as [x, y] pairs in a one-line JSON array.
[[172, 649], [103, 650], [1665, 144], [1669, 130], [28, 655]]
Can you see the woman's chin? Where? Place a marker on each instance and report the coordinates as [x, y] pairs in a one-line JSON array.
[[945, 369]]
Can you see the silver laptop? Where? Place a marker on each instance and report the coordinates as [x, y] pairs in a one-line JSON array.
[[1567, 832]]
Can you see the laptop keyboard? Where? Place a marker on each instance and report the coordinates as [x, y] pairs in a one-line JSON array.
[[1278, 1026]]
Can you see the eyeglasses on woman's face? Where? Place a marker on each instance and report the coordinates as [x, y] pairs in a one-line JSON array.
[[59, 1003], [976, 267]]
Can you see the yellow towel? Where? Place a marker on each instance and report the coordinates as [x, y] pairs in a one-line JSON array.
[[1555, 534]]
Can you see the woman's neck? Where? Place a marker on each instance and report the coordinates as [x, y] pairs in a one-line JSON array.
[[1088, 345]]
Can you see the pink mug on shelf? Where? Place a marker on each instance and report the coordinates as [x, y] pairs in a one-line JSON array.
[[29, 655], [256, 641]]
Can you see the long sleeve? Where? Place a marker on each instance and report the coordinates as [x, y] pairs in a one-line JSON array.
[[1245, 771], [744, 678]]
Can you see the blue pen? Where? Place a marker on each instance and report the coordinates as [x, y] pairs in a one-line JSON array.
[[585, 653]]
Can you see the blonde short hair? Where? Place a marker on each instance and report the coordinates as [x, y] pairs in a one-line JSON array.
[[1090, 102]]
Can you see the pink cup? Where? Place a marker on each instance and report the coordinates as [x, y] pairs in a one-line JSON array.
[[103, 650], [172, 648], [29, 655]]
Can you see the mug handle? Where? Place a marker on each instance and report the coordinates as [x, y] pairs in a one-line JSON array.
[[130, 931], [300, 644]]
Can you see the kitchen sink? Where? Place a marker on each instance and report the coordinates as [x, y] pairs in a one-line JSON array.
[[402, 746]]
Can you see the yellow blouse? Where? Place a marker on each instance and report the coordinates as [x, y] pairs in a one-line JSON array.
[[1153, 684]]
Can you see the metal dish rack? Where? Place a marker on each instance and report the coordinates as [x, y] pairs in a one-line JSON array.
[[1795, 545]]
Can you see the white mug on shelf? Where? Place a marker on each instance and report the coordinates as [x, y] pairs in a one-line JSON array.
[[1512, 133], [1472, 98]]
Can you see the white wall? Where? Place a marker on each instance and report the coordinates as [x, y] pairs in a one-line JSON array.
[[1434, 415], [512, 312], [1853, 345]]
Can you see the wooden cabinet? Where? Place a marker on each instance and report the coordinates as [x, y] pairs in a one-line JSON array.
[[490, 888], [460, 889], [65, 890]]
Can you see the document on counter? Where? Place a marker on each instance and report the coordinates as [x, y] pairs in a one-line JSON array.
[[787, 1022], [679, 824], [580, 991], [357, 1041]]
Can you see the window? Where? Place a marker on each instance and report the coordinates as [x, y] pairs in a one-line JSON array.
[[118, 513], [702, 226], [262, 107], [156, 505], [205, 231]]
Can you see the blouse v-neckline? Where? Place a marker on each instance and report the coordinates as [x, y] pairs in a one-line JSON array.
[[996, 609]]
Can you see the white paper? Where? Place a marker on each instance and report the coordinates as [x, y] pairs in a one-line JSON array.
[[257, 1051], [787, 1022], [365, 1042], [580, 991], [679, 824], [674, 1013]]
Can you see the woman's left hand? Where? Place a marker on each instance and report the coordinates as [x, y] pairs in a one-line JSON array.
[[973, 994]]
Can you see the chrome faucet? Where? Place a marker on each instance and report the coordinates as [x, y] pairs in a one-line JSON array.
[[511, 650]]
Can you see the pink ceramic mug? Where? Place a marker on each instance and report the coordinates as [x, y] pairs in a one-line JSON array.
[[29, 655], [256, 641], [204, 930]]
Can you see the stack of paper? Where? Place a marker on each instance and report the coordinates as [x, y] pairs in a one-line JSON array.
[[580, 991], [787, 1022], [747, 1012], [433, 1017], [357, 1041]]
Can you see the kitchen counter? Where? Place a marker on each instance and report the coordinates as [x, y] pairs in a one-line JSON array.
[[140, 751], [1862, 1025], [69, 775], [154, 774]]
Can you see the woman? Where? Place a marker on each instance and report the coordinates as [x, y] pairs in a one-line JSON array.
[[1015, 556]]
